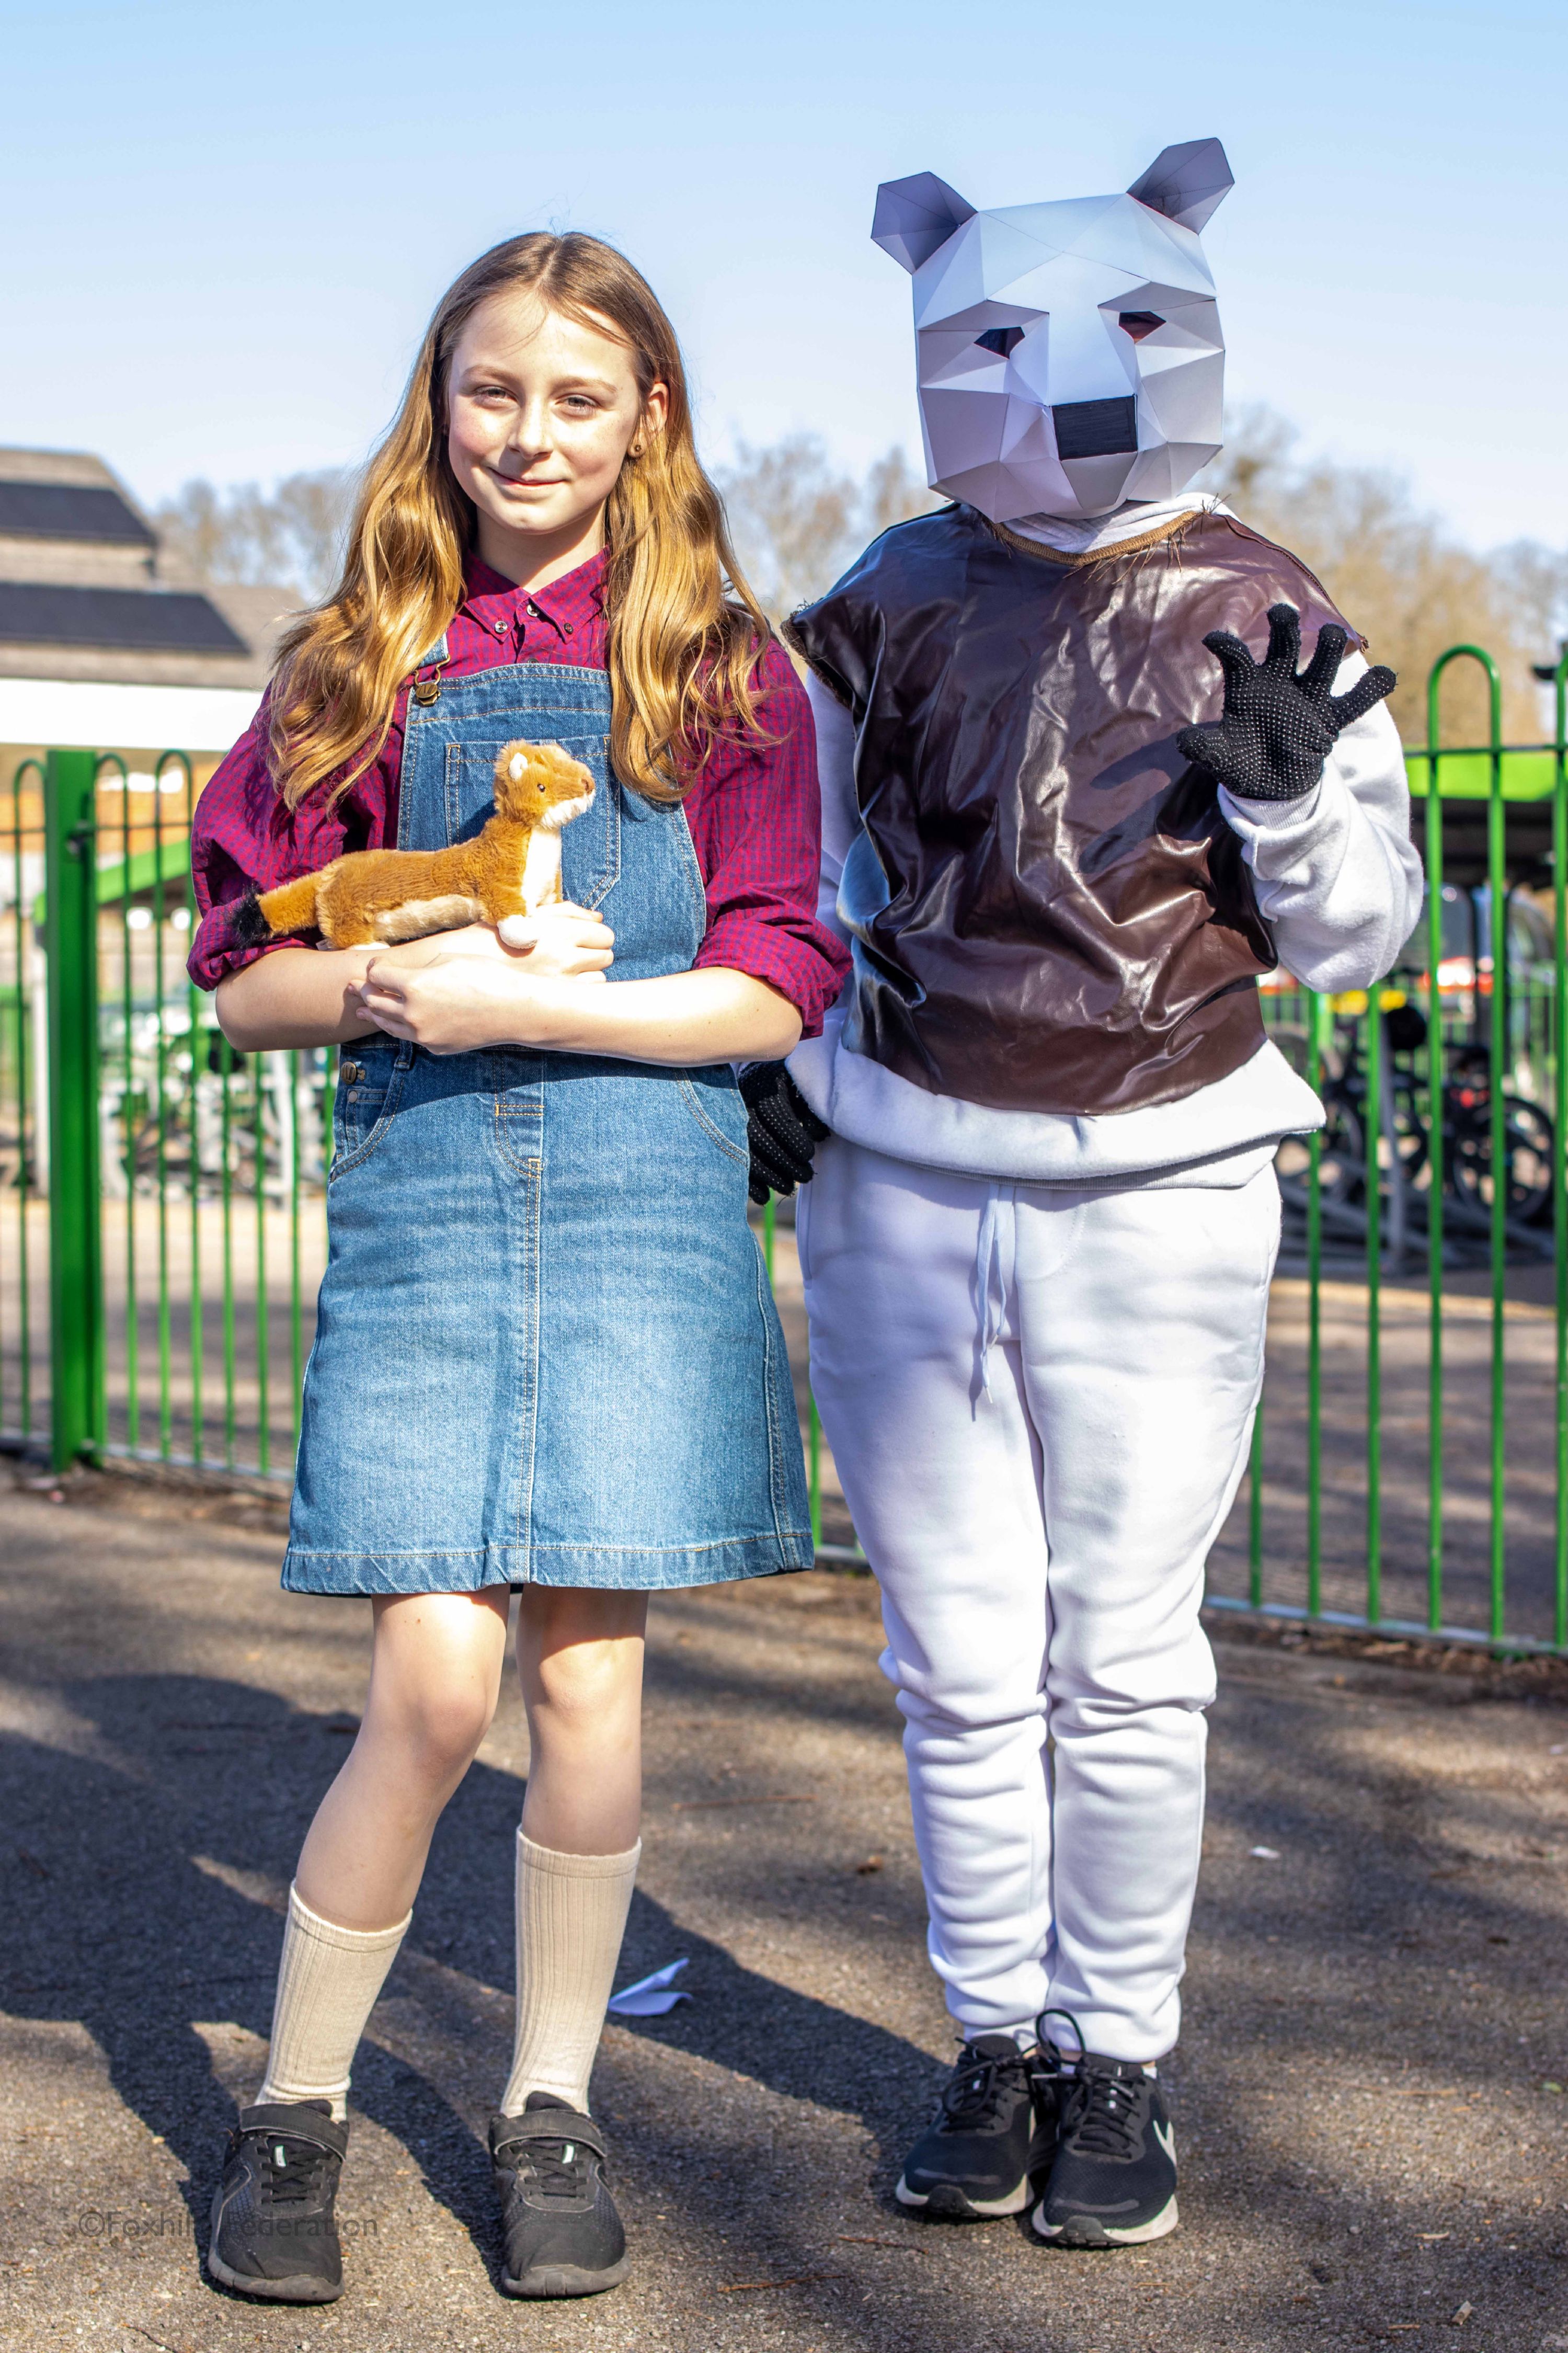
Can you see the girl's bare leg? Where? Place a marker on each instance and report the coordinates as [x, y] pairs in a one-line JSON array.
[[435, 1678], [579, 1661], [579, 1655]]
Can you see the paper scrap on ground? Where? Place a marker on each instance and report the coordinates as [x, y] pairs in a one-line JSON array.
[[651, 1997], [1265, 1853]]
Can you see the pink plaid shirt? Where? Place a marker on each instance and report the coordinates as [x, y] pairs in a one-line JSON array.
[[753, 811]]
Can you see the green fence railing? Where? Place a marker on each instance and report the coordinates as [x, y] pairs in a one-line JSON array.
[[162, 1223]]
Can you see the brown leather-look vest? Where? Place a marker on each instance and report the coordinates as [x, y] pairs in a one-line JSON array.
[[1062, 920]]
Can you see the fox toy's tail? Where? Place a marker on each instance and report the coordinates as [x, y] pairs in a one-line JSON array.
[[290, 908]]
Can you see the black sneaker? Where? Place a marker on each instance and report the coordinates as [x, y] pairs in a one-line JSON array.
[[273, 2233], [994, 2128], [564, 2236], [1113, 2183]]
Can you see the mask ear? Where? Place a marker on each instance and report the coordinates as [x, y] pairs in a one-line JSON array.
[[1188, 184], [915, 216]]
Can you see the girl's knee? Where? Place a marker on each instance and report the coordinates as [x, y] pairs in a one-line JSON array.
[[438, 1731], [580, 1654], [587, 1680]]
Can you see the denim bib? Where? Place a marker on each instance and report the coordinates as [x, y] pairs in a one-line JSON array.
[[546, 1347]]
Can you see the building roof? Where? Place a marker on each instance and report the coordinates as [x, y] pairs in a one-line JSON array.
[[161, 621], [87, 594], [68, 510]]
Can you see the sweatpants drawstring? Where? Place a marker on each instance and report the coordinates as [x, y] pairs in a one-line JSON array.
[[993, 1278]]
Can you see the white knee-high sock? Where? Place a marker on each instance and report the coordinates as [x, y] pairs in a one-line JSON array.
[[328, 1980], [571, 1917]]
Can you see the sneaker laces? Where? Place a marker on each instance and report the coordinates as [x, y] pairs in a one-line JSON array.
[[973, 2096], [1101, 2113], [559, 2168], [294, 2169]]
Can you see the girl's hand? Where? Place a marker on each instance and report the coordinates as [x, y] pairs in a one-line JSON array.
[[455, 1004], [556, 944]]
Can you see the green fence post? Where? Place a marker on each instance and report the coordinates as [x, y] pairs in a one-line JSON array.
[[1437, 1073], [76, 1277], [1560, 1148], [1376, 1043], [1497, 901], [1316, 1009]]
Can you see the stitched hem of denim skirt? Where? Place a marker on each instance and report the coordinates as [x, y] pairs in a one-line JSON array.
[[610, 1568]]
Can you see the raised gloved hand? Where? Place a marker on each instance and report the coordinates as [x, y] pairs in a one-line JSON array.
[[1277, 728], [780, 1128]]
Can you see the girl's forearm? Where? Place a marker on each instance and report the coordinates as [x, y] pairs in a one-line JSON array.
[[295, 997], [455, 1004], [714, 1015]]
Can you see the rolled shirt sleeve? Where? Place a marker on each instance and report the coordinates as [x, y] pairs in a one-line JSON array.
[[244, 839], [756, 821]]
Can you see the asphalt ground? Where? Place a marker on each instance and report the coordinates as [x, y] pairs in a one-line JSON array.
[[1366, 2092]]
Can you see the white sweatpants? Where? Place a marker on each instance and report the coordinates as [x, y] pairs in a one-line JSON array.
[[1040, 1405]]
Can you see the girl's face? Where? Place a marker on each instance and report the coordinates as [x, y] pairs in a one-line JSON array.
[[542, 411]]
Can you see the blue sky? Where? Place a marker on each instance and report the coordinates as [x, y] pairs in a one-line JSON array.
[[229, 224]]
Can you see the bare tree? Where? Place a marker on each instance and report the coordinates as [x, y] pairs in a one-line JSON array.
[[894, 492], [797, 521], [245, 536], [1398, 575], [792, 518]]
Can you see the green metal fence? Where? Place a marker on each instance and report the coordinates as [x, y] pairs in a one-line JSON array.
[[163, 1212]]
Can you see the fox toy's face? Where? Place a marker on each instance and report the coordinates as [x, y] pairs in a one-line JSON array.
[[1069, 354], [541, 786]]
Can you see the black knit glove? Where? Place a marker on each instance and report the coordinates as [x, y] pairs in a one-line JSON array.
[[1277, 728], [780, 1128]]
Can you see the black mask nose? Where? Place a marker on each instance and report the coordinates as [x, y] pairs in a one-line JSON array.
[[1096, 428]]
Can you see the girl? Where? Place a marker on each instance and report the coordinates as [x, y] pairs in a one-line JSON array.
[[547, 1359]]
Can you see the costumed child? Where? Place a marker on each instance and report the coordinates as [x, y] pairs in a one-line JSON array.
[[1065, 840], [547, 1359]]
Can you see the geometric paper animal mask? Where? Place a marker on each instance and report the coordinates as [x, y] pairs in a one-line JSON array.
[[1070, 356]]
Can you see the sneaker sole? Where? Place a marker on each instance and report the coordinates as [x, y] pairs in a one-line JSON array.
[[948, 2203], [1082, 2231], [565, 2279], [296, 2288]]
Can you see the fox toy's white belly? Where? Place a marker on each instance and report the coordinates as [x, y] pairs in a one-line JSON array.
[[541, 870], [419, 917]]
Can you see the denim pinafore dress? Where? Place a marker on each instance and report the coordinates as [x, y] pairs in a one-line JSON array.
[[546, 1347]]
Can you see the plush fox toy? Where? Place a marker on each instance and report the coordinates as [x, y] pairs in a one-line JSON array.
[[512, 867]]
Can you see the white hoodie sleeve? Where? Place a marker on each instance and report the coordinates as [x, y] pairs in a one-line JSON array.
[[1336, 875], [840, 810]]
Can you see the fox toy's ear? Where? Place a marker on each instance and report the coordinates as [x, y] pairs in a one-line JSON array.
[[914, 217], [1188, 184]]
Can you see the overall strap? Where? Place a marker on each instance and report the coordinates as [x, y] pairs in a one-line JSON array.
[[428, 691]]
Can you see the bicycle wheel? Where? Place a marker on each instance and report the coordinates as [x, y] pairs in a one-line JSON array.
[[1528, 1141]]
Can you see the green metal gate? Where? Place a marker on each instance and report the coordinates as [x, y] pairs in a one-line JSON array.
[[162, 1204]]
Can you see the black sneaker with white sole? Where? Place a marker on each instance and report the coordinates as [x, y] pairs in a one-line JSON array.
[[273, 2231], [995, 2128], [564, 2236], [1114, 2180]]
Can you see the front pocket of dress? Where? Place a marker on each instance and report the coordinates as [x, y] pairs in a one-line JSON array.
[[362, 1112], [720, 1114]]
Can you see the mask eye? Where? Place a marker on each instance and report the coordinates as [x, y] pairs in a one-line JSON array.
[[1139, 323], [1002, 341]]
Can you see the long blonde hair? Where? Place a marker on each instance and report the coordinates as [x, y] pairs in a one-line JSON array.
[[684, 630]]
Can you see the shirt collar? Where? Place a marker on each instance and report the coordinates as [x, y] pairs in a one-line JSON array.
[[576, 598]]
